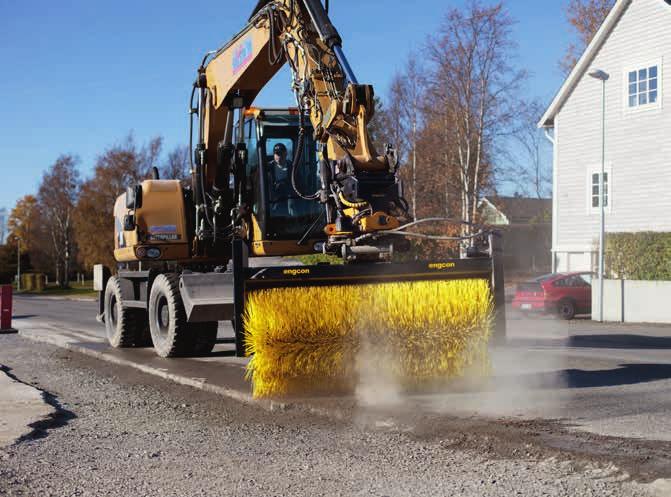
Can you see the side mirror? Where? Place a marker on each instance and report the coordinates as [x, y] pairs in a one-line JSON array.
[[129, 222], [134, 197]]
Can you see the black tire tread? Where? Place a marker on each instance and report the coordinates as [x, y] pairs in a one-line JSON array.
[[131, 321], [182, 339], [573, 304]]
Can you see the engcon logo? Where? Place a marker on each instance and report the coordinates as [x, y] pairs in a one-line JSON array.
[[296, 272], [442, 265]]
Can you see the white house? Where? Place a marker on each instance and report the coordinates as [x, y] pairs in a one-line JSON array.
[[633, 46]]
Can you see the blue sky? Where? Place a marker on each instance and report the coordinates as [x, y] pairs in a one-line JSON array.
[[78, 75]]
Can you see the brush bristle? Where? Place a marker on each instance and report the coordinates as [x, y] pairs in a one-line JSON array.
[[306, 340]]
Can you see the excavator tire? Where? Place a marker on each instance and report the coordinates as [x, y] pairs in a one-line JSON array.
[[171, 334], [206, 337], [124, 327]]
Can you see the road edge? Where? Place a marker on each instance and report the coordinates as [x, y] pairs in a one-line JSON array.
[[24, 407], [246, 398]]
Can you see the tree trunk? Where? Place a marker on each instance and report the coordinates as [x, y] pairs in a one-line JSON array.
[[414, 163]]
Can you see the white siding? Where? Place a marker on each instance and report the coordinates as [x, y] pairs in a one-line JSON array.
[[638, 145]]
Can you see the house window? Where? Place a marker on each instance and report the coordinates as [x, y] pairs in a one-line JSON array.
[[595, 190], [643, 86]]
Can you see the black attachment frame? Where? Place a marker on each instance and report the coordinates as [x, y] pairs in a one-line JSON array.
[[247, 279], [240, 261]]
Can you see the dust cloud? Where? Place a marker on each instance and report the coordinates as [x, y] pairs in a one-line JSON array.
[[522, 383], [377, 384]]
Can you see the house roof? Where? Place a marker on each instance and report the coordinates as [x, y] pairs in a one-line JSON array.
[[582, 66], [520, 210]]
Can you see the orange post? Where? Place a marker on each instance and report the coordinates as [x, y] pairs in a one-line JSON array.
[[6, 309]]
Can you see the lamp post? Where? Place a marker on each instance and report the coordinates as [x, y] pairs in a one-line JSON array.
[[18, 264], [603, 77]]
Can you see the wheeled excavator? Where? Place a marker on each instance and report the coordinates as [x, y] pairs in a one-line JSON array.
[[272, 182]]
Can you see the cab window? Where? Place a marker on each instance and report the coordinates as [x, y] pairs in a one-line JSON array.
[[252, 145], [289, 216]]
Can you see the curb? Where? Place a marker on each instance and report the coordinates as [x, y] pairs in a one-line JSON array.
[[56, 297], [182, 380]]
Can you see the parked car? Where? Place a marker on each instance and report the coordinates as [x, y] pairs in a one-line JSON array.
[[564, 294]]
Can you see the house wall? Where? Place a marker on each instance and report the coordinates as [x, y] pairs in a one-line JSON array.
[[638, 147]]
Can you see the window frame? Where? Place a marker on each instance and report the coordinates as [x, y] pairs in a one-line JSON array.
[[596, 169], [660, 86]]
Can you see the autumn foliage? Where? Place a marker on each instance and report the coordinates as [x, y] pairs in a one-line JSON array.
[[585, 17], [68, 225]]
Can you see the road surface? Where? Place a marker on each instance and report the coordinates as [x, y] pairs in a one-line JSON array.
[[578, 393], [608, 379]]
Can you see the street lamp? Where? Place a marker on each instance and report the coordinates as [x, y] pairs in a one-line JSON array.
[[18, 264], [603, 77]]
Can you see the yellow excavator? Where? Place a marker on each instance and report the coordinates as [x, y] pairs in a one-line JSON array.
[[289, 182]]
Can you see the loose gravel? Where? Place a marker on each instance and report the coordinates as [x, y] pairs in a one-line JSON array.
[[121, 432]]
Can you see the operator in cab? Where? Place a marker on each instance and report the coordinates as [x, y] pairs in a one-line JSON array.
[[283, 201]]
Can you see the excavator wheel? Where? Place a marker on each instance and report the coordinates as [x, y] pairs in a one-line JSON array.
[[171, 334], [124, 327], [206, 337]]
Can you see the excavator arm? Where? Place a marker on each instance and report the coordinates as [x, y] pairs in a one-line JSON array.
[[359, 188]]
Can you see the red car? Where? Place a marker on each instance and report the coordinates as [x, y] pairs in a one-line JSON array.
[[565, 294]]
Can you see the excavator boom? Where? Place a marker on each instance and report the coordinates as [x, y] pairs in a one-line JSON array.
[[360, 190]]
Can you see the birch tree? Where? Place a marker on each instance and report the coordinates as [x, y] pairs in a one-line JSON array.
[[408, 91], [57, 196], [176, 165], [475, 82], [526, 164]]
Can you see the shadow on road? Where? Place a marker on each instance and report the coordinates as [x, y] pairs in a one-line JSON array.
[[598, 342], [619, 341], [625, 374], [24, 316], [58, 418], [220, 353]]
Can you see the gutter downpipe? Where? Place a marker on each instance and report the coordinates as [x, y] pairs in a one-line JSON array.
[[552, 139]]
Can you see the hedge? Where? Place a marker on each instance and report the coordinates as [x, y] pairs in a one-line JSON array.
[[639, 256]]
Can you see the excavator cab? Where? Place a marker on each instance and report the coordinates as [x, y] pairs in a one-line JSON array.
[[282, 222]]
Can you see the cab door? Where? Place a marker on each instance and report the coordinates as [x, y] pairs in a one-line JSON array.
[[280, 217]]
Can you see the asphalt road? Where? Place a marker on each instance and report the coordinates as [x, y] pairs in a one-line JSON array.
[[608, 379], [567, 403], [117, 431]]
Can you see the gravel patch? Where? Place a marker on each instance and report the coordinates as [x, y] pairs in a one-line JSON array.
[[120, 432]]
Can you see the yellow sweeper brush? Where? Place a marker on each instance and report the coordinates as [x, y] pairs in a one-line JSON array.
[[306, 339]]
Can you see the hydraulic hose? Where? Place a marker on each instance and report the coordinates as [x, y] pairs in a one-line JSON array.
[[298, 157]]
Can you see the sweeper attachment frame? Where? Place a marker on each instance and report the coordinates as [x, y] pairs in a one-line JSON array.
[[306, 327]]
